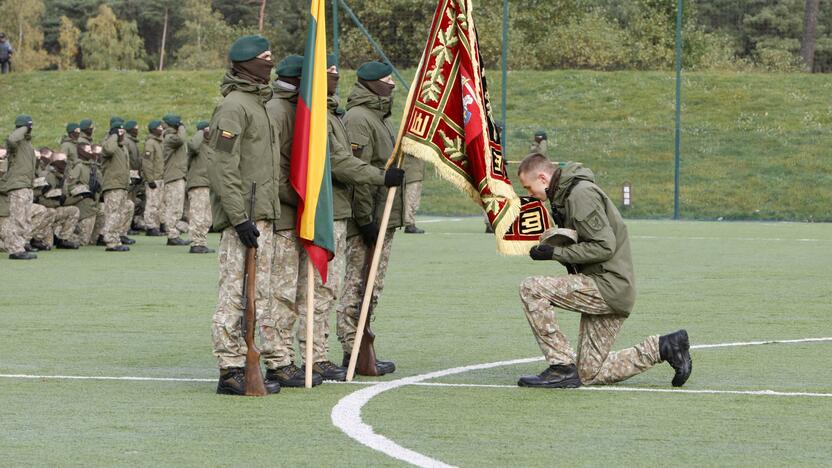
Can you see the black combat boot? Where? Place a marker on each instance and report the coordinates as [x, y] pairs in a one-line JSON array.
[[232, 381], [65, 244], [163, 228], [118, 248], [153, 232], [291, 376], [328, 370], [39, 245], [412, 229], [100, 241], [383, 367], [675, 349], [126, 240], [178, 241], [200, 249], [23, 256], [555, 376]]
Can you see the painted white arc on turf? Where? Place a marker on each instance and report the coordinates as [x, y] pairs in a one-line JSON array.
[[346, 415]]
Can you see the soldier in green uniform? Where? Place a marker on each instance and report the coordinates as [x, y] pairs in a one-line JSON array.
[[136, 191], [69, 142], [81, 189], [153, 173], [600, 287], [87, 129], [16, 186], [115, 169], [60, 232], [244, 149], [175, 147], [372, 138], [199, 202]]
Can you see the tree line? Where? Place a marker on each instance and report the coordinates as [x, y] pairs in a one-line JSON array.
[[766, 35]]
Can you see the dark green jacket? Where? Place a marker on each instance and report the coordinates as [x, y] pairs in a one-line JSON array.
[[5, 209], [176, 154], [198, 161], [70, 149], [21, 160], [603, 248], [347, 170], [78, 181], [132, 145], [372, 138], [281, 109], [245, 149], [153, 165], [115, 165], [49, 196]]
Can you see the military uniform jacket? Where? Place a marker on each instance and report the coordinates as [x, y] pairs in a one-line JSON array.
[[198, 161], [372, 139], [244, 148], [78, 183], [347, 170], [132, 145], [176, 154], [70, 149], [603, 248], [281, 109], [83, 139], [49, 196], [21, 161], [115, 165], [153, 165]]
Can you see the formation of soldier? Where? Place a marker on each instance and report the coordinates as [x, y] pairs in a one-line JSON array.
[[86, 193]]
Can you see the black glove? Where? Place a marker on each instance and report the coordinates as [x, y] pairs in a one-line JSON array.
[[95, 187], [88, 195], [248, 233], [62, 199], [541, 252], [369, 233], [151, 184], [393, 177]]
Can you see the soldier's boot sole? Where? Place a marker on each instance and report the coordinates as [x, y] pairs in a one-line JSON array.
[[565, 383]]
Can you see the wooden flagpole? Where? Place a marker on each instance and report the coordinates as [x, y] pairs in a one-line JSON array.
[[310, 313]]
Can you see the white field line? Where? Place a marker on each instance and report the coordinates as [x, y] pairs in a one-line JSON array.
[[346, 415], [761, 239], [439, 220]]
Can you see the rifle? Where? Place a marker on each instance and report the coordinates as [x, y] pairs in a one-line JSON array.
[[366, 363], [254, 384]]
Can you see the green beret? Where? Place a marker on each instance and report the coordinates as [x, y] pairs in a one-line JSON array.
[[202, 124], [22, 120], [71, 127], [130, 124], [371, 71], [116, 122], [290, 67], [153, 124], [541, 133], [85, 124], [331, 60], [172, 119], [247, 48]]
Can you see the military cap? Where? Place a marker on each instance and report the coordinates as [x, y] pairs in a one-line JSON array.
[[541, 133], [116, 122], [22, 120], [290, 67], [202, 124], [85, 124], [331, 60], [172, 119], [130, 124], [247, 48], [153, 124], [371, 71], [71, 127]]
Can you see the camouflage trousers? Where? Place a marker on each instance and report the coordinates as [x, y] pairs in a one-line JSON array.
[[284, 291], [83, 231], [174, 206], [62, 225], [17, 230], [228, 340], [326, 296], [42, 221], [3, 221], [352, 294], [118, 212], [199, 215], [412, 197], [137, 196], [153, 205], [599, 327]]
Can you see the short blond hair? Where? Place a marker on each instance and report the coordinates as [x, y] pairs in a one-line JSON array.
[[535, 162]]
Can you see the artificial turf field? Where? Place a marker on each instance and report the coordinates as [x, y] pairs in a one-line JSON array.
[[450, 301]]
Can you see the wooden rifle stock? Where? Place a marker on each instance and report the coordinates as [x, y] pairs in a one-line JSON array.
[[255, 386], [366, 364]]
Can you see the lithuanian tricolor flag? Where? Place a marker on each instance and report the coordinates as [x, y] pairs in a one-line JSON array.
[[309, 171]]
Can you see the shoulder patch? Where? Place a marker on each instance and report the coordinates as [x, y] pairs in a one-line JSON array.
[[594, 221], [357, 149], [225, 141]]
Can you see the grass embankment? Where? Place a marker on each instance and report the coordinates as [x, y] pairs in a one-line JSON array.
[[754, 146]]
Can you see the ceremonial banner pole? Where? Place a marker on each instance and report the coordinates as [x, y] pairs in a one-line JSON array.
[[310, 314]]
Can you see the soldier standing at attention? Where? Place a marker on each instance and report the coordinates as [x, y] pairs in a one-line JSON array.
[[244, 149], [372, 138], [115, 169], [131, 141], [602, 289], [176, 168], [153, 173], [87, 129], [199, 201], [16, 185], [69, 142]]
